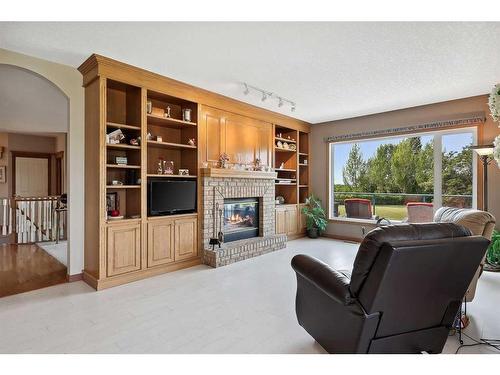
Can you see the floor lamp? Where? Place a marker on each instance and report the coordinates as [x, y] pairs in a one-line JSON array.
[[485, 153]]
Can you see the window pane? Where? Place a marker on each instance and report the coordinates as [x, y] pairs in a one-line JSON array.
[[457, 170], [378, 178]]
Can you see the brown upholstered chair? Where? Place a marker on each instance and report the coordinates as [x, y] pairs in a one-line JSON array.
[[358, 208], [480, 223], [420, 212], [402, 296]]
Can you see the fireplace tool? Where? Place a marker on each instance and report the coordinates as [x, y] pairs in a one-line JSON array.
[[214, 240], [220, 235]]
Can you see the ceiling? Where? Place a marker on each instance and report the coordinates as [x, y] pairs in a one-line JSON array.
[[331, 70]]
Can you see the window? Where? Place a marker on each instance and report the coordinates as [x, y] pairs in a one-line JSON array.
[[387, 177]]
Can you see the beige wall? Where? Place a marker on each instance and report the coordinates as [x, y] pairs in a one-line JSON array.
[[393, 119], [69, 81]]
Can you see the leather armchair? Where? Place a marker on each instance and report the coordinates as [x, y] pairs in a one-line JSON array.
[[480, 223], [404, 292]]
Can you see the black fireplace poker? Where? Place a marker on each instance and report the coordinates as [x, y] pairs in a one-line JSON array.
[[217, 238]]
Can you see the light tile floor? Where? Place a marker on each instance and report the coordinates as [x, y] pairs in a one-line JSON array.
[[247, 307]]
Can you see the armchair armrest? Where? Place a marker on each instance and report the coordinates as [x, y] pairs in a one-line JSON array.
[[328, 280]]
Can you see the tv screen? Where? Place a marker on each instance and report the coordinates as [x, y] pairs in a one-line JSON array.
[[167, 197]]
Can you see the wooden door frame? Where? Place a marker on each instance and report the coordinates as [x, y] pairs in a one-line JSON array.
[[36, 155], [59, 157]]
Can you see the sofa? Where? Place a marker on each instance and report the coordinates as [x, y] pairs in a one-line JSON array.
[[402, 296]]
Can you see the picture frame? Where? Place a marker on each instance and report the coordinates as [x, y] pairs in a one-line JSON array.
[[3, 174], [112, 201]]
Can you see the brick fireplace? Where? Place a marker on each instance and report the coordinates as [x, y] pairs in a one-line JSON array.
[[228, 186]]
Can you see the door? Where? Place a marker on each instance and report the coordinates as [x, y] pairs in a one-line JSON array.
[[186, 233], [31, 176], [291, 220], [123, 248], [280, 221], [160, 242]]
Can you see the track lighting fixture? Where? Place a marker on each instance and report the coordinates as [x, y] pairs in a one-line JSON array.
[[268, 94]]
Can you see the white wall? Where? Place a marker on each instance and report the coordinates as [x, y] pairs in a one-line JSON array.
[[69, 81]]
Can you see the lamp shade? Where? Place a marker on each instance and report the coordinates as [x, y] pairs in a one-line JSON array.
[[483, 150]]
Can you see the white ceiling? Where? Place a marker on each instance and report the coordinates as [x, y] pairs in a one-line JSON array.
[[331, 70]]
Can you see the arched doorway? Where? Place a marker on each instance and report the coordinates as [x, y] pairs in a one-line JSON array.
[[34, 122]]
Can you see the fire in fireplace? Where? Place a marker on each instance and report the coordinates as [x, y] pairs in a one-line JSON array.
[[241, 218]]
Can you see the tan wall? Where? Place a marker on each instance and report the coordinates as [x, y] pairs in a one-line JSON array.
[[393, 119]]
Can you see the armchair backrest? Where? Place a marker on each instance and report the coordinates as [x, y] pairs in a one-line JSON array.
[[415, 275], [480, 223]]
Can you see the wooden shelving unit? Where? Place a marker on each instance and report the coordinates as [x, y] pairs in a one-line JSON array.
[[119, 96], [174, 132]]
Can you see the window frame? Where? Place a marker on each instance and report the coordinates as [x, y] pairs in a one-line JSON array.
[[437, 140]]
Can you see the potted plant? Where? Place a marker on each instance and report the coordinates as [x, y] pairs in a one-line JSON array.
[[493, 253], [315, 217]]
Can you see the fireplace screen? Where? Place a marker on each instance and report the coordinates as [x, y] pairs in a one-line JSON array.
[[241, 218]]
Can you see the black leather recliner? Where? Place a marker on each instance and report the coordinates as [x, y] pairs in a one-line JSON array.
[[404, 292]]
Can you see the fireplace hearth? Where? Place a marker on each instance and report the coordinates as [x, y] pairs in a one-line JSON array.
[[241, 219]]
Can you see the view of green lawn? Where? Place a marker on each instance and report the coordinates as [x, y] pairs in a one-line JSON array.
[[391, 212]]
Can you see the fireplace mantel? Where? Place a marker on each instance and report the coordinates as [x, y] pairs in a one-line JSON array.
[[233, 173]]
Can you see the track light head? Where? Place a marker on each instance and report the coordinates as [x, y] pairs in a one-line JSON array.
[[247, 91], [264, 96], [280, 103], [293, 107]]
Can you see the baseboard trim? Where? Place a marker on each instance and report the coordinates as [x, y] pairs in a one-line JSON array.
[[73, 278], [342, 238], [109, 282]]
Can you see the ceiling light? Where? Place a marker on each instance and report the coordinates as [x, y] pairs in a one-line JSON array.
[[280, 103], [264, 96], [293, 107], [247, 91]]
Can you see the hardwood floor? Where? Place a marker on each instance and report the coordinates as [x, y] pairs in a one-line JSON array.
[[28, 267]]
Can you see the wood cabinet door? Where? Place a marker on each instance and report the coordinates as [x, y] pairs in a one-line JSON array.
[[185, 239], [302, 221], [123, 248], [280, 221], [160, 242], [291, 220]]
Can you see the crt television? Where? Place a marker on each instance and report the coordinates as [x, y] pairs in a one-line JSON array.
[[171, 196]]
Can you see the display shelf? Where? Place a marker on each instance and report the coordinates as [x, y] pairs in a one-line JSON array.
[[175, 146], [285, 140], [123, 166], [170, 176], [169, 122], [122, 126], [303, 165], [123, 186], [285, 170], [303, 153], [123, 146], [278, 149]]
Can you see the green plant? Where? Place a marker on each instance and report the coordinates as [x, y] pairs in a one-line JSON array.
[[493, 254], [315, 215]]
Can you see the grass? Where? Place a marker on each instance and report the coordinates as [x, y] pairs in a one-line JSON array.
[[391, 212]]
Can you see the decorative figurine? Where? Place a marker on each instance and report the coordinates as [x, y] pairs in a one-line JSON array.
[[159, 169], [134, 142], [223, 159], [149, 106], [167, 112], [168, 167], [183, 172], [192, 142], [159, 138], [279, 144]]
